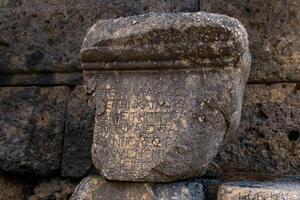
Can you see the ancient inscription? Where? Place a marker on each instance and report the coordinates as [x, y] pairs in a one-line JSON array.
[[138, 117], [167, 89]]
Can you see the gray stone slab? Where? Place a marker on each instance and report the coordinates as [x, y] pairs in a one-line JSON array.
[[96, 188], [259, 190], [32, 128], [167, 87]]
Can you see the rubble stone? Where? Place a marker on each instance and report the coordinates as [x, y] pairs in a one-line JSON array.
[[96, 188], [54, 188]]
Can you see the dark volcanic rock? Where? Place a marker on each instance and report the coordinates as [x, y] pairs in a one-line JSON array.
[[260, 190], [268, 140], [56, 189], [31, 128], [39, 37], [78, 134], [168, 87], [14, 188], [274, 32], [96, 188]]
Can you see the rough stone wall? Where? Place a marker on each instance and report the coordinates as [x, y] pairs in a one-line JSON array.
[[268, 140], [274, 34], [40, 40], [46, 118]]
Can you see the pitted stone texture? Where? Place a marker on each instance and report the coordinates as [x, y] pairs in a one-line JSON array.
[[96, 188], [260, 190], [274, 32], [40, 40], [14, 188], [167, 87], [54, 188], [78, 134], [31, 128], [268, 139]]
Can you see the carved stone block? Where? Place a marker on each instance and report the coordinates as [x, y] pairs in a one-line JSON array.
[[167, 87]]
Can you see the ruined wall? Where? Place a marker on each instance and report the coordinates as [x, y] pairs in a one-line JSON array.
[[46, 118]]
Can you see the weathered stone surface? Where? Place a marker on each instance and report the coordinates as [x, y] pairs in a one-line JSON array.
[[259, 190], [168, 87], [39, 37], [31, 128], [55, 188], [96, 188], [274, 32], [46, 35], [267, 141], [12, 188], [78, 134], [41, 79]]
